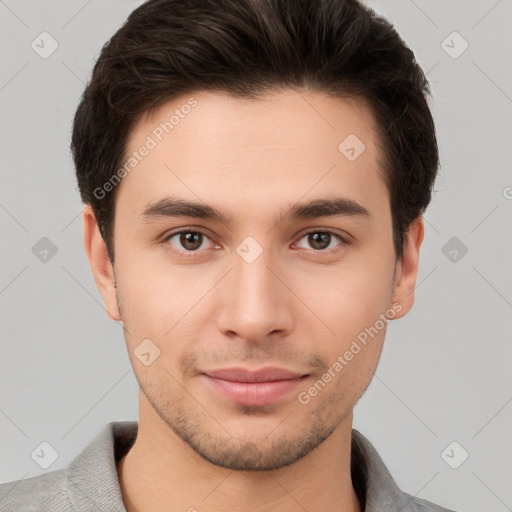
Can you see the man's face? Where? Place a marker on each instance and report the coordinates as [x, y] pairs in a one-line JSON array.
[[260, 287]]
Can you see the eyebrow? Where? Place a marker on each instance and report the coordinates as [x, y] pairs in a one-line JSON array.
[[173, 207]]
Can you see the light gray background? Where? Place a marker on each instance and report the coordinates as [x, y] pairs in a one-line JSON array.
[[445, 373]]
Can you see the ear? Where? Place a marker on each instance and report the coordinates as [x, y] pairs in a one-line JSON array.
[[99, 261], [407, 268]]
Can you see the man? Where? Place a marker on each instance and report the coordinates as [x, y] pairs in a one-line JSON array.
[[255, 174]]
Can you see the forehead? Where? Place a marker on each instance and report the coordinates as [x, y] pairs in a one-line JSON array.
[[213, 147], [286, 117]]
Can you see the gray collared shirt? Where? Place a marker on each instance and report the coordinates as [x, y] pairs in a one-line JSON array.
[[90, 483]]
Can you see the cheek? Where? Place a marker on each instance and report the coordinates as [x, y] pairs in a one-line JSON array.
[[159, 302], [349, 298], [145, 295], [360, 320]]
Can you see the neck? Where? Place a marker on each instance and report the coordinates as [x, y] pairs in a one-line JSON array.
[[162, 472]]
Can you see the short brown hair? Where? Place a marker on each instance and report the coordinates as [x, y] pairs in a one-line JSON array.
[[342, 48]]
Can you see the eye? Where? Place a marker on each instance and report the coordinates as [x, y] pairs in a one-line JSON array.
[[188, 240], [321, 240]]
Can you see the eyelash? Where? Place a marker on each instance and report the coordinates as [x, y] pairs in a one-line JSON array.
[[343, 240]]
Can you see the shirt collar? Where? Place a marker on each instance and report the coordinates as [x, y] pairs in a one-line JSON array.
[[376, 489]]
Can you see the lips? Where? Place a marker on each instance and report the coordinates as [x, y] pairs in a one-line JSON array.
[[268, 374], [256, 388]]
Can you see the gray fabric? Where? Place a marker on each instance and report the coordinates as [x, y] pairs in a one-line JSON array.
[[90, 483]]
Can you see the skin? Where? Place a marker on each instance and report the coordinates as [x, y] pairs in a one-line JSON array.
[[296, 306]]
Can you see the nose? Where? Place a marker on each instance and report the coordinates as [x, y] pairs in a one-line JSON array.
[[255, 302]]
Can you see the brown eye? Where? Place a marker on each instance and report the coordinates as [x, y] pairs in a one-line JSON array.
[[191, 241], [321, 240], [187, 240]]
